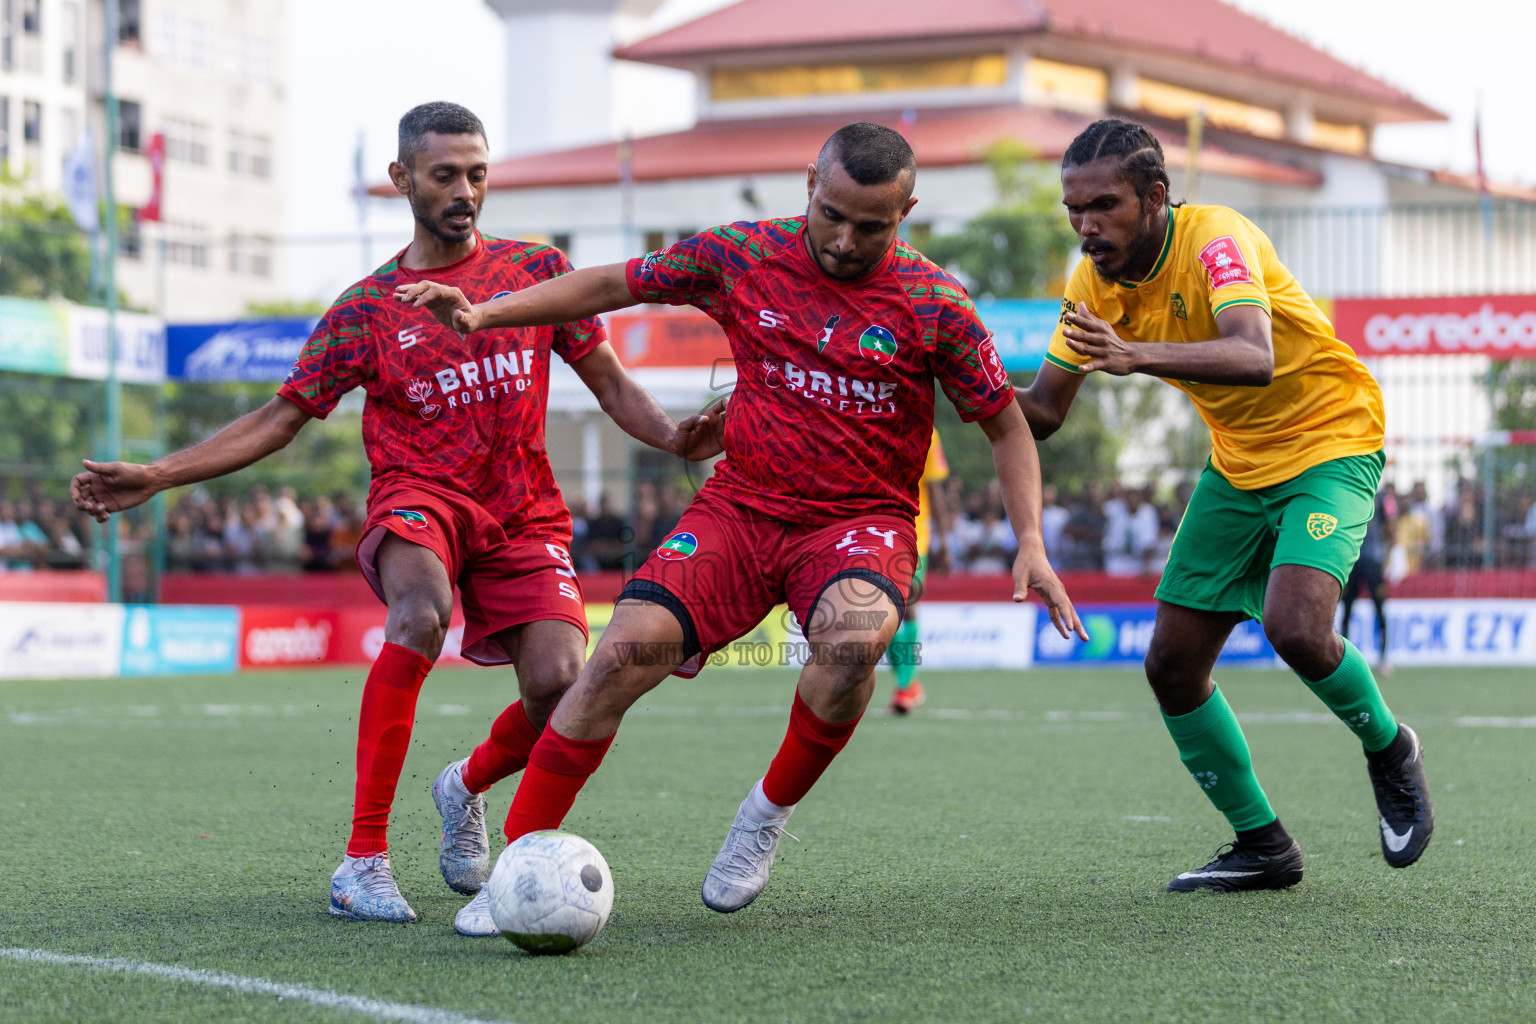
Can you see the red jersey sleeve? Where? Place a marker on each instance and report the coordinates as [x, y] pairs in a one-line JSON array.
[[695, 271], [965, 360], [572, 341], [339, 355]]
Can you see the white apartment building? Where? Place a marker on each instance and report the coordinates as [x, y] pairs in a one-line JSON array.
[[206, 73]]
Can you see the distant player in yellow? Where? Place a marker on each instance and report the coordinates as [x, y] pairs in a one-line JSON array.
[[1196, 295], [905, 653]]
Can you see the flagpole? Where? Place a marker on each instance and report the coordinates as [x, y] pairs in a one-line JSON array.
[[114, 410]]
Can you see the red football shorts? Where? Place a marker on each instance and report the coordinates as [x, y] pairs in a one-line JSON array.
[[503, 579], [724, 567]]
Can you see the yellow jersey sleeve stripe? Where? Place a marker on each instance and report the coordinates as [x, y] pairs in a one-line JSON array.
[[1058, 361], [1241, 302]]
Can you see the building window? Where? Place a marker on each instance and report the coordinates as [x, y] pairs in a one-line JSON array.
[[7, 34], [248, 58], [981, 71], [561, 240], [655, 240], [5, 130], [130, 239], [261, 256], [260, 161], [130, 126], [236, 151], [186, 244], [182, 40], [31, 122], [186, 141], [32, 17], [71, 20], [129, 23]]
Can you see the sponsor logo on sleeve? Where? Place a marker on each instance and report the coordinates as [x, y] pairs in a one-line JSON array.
[[1067, 306], [992, 363], [1224, 263], [677, 547], [410, 517], [877, 344]]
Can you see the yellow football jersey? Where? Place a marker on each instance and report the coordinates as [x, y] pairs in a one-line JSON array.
[[1323, 403], [935, 470]]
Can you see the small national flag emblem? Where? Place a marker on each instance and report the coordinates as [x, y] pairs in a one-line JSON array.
[[1321, 524], [677, 546], [878, 344], [410, 517]]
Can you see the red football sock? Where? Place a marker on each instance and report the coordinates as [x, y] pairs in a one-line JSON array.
[[383, 737], [558, 767], [809, 746], [505, 751]]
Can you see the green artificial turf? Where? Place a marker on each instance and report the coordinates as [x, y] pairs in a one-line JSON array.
[[998, 856]]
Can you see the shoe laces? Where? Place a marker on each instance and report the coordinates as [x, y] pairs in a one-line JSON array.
[[1400, 794], [745, 855], [372, 876], [467, 828]]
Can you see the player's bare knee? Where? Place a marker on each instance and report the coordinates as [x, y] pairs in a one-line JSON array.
[[545, 683], [418, 625]]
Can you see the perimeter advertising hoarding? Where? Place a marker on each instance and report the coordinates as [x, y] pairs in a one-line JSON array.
[[60, 641], [1500, 326], [240, 350], [1119, 634], [65, 340], [164, 640]]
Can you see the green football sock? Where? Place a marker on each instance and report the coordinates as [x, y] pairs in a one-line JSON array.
[[904, 653], [1213, 749], [1352, 694]]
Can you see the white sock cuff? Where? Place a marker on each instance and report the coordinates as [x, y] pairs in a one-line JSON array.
[[767, 808]]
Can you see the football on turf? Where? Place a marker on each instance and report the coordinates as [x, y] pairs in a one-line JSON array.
[[550, 892]]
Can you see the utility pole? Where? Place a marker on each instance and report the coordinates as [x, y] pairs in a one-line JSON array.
[[114, 396]]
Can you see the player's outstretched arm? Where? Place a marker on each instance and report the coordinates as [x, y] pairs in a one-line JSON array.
[[637, 412], [1048, 399], [1243, 356], [560, 300], [1018, 471], [107, 487]]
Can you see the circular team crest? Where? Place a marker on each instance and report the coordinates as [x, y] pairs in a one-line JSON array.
[[677, 547], [878, 344], [1321, 524], [410, 517]]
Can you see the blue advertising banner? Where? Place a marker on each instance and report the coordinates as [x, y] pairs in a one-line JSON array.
[[163, 640], [241, 350], [1021, 329], [1119, 634]]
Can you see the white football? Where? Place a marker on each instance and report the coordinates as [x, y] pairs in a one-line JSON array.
[[550, 892]]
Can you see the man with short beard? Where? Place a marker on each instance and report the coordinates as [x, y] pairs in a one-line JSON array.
[[839, 333], [462, 492], [1197, 296]]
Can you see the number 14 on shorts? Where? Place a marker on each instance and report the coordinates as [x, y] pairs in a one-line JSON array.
[[856, 541]]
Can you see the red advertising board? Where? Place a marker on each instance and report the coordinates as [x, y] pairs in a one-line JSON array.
[[1501, 326], [682, 338], [277, 636]]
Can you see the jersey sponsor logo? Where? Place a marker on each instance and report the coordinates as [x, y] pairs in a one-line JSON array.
[[1224, 263], [677, 547], [419, 391], [499, 373], [992, 363], [845, 394], [410, 517], [411, 335], [826, 333], [1321, 524], [770, 319], [1178, 307], [1067, 306], [1205, 780], [877, 344]]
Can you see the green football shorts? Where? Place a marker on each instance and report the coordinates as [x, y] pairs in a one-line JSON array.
[[1229, 540]]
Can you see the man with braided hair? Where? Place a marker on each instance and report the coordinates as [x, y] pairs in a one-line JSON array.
[[1197, 296]]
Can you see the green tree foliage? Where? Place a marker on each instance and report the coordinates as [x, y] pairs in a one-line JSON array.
[[1017, 248], [43, 255], [287, 308]]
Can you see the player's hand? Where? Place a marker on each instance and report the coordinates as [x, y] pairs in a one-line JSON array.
[[1087, 335], [446, 304], [1031, 571], [702, 435], [107, 487]]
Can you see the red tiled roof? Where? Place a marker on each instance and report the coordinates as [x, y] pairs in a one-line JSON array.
[[1209, 31], [943, 138]]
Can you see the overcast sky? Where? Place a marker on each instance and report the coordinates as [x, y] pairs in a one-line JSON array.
[[355, 65]]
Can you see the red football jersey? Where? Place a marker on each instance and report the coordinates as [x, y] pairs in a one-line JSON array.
[[465, 413], [833, 406]]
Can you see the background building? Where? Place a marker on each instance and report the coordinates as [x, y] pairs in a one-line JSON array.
[[206, 74]]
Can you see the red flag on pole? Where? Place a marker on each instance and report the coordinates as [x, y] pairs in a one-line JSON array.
[[156, 154]]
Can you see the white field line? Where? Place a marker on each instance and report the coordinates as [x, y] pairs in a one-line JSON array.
[[376, 1008], [1497, 723]]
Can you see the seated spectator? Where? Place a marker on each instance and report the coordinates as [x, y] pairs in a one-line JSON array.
[[608, 537], [318, 525], [1085, 532], [1130, 535], [1053, 521]]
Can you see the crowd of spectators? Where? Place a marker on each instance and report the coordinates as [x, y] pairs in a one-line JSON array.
[[1112, 528]]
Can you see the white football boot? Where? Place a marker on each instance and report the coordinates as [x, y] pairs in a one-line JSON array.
[[474, 918], [465, 854], [740, 871], [363, 889]]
